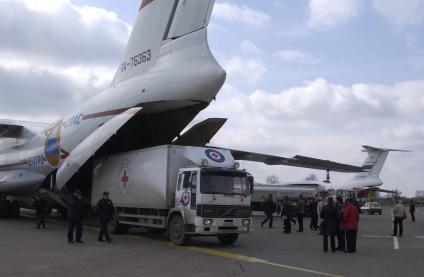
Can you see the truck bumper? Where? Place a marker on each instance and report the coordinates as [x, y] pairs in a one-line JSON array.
[[221, 226]]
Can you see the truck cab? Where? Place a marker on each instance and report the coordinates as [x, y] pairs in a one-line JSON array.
[[212, 202]]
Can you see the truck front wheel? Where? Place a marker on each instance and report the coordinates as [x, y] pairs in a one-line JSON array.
[[228, 239], [176, 231]]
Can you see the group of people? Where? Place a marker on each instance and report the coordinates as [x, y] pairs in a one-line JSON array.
[[339, 220], [76, 212]]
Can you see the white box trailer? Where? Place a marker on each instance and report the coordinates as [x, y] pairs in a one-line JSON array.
[[186, 191]]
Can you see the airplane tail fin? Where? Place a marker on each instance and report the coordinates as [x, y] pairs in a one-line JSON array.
[[159, 21], [373, 164], [376, 159]]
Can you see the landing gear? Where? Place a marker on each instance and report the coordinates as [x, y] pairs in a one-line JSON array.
[[9, 209]]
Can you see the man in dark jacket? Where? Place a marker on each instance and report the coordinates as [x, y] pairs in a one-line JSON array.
[[104, 211], [314, 215], [269, 209], [412, 210], [40, 209], [75, 215], [329, 224], [341, 235], [286, 214], [300, 212]]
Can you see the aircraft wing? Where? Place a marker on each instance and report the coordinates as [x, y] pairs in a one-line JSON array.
[[365, 191], [201, 133], [86, 149], [297, 161], [19, 129], [14, 133]]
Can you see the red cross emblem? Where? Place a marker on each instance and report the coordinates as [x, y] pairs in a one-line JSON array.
[[185, 198], [124, 179], [215, 155]]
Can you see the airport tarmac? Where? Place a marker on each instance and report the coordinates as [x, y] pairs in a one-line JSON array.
[[27, 251]]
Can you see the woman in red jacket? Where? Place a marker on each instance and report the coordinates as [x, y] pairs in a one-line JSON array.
[[350, 222]]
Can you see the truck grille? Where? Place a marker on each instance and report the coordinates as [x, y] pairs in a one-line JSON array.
[[220, 211]]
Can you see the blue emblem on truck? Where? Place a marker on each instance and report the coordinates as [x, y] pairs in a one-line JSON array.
[[215, 156]]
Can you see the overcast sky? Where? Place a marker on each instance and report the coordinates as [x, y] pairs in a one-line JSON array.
[[312, 77]]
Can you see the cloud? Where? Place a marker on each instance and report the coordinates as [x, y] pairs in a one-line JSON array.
[[241, 14], [250, 46], [62, 32], [325, 14], [296, 56], [401, 12], [54, 55], [326, 120], [250, 71]]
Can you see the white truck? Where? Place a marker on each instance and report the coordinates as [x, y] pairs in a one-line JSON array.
[[183, 190]]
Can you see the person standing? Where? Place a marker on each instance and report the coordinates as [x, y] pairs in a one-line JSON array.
[[314, 215], [399, 215], [75, 215], [321, 205], [329, 224], [300, 212], [350, 223], [341, 238], [104, 211], [269, 209], [40, 209], [286, 214], [412, 210]]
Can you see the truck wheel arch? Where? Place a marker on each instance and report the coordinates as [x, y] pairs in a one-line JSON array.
[[172, 213]]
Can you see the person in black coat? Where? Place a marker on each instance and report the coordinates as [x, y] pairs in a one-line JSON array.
[[75, 216], [269, 209], [330, 218], [40, 206], [287, 215], [341, 234], [412, 210], [314, 215], [104, 211]]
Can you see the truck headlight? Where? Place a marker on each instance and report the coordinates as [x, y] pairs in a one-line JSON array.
[[207, 222], [245, 222]]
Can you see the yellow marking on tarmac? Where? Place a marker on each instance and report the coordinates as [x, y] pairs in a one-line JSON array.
[[233, 256], [218, 253]]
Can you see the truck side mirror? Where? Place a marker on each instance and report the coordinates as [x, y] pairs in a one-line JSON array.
[[250, 182]]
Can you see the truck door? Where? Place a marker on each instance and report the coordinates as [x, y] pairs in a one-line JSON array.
[[186, 190]]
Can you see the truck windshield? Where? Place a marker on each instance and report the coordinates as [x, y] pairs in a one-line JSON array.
[[224, 183]]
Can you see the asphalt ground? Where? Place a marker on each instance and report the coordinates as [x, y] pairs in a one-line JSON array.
[[26, 251]]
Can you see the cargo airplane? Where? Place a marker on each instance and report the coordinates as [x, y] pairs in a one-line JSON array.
[[166, 77]]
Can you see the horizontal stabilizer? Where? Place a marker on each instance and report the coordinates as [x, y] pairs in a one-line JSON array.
[[201, 133], [376, 149], [297, 161]]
